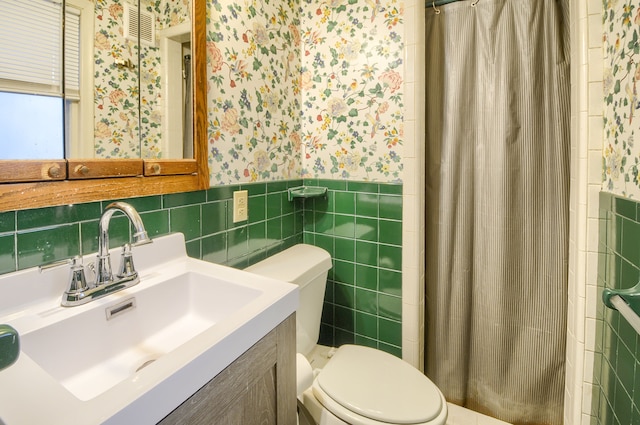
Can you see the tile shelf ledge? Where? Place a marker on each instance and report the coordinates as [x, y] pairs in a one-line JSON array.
[[305, 192]]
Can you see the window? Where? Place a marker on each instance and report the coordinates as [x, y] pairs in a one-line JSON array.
[[33, 112]]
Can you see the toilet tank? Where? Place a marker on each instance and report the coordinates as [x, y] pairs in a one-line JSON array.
[[307, 266]]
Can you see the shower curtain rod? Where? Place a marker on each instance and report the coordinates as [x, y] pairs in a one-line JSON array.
[[437, 3]]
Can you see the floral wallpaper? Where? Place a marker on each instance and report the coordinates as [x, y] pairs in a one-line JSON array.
[[352, 89], [621, 161], [117, 131], [296, 88], [253, 90], [305, 88]]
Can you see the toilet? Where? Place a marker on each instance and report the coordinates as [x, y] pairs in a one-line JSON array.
[[358, 385]]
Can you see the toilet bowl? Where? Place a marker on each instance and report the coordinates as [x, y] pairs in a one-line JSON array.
[[358, 385]]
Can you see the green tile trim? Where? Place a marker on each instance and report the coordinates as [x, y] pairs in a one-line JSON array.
[[277, 186], [221, 193], [332, 184], [391, 189], [142, 204], [362, 187], [254, 188], [184, 198], [625, 208], [51, 216]]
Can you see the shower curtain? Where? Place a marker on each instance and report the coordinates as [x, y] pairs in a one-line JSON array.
[[497, 186]]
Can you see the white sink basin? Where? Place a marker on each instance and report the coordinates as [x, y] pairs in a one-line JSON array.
[[89, 354], [179, 327]]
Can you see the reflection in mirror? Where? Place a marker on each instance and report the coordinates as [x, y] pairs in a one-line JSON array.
[[45, 183], [30, 78], [126, 75]]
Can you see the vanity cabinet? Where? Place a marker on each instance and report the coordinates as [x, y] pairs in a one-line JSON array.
[[257, 388]]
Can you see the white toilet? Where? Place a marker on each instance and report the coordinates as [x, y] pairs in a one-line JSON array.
[[358, 385]]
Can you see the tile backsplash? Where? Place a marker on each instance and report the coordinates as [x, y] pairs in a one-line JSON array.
[[359, 224], [32, 237]]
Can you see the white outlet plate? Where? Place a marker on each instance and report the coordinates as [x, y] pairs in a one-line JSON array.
[[240, 206]]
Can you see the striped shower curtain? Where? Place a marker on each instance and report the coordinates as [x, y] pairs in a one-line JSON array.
[[497, 194]]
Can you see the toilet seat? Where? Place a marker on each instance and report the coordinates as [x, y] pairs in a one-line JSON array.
[[364, 386]]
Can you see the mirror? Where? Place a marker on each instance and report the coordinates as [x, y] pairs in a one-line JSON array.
[[38, 183], [122, 79]]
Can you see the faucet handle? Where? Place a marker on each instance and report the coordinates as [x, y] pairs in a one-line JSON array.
[[55, 264], [77, 281], [127, 269]]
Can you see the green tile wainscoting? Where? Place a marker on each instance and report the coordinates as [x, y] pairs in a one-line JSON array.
[[616, 372], [32, 237], [360, 224]]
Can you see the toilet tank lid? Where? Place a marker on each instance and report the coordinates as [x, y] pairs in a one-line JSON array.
[[299, 264]]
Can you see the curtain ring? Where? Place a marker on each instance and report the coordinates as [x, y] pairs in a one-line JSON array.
[[433, 4], [475, 2]]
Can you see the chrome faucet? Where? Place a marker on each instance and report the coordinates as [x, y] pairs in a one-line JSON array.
[[79, 291]]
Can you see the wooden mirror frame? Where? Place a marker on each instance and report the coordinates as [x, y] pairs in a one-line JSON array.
[[61, 182]]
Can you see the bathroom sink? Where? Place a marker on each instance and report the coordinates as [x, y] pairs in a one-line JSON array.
[[89, 353], [137, 354]]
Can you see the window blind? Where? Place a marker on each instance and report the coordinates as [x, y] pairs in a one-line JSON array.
[[31, 46]]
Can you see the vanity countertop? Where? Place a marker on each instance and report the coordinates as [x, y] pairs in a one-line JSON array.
[[30, 300]]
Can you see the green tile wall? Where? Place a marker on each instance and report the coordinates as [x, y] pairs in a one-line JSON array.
[[616, 393], [32, 237], [360, 224]]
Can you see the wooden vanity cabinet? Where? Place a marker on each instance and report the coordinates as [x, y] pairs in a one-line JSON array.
[[259, 387]]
